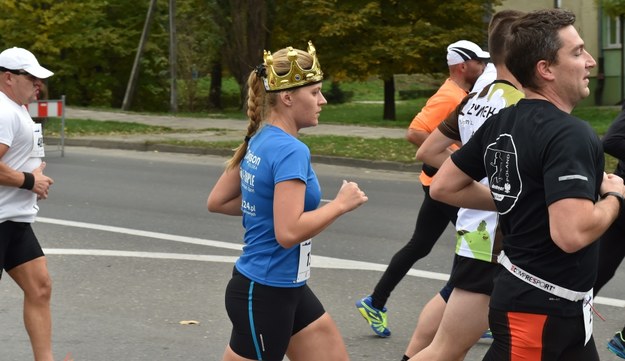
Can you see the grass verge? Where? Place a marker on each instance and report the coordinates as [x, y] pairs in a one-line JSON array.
[[367, 114], [385, 149]]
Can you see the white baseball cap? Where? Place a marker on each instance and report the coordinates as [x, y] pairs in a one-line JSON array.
[[464, 50], [21, 59]]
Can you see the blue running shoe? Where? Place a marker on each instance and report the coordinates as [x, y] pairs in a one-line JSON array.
[[487, 335], [375, 317], [617, 345]]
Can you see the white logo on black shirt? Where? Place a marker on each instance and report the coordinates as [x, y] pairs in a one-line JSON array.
[[503, 172]]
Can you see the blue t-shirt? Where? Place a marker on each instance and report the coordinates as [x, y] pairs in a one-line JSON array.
[[273, 156]]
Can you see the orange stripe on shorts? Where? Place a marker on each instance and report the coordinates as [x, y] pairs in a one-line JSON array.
[[526, 336]]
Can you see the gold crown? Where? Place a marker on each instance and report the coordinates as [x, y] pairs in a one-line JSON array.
[[296, 76]]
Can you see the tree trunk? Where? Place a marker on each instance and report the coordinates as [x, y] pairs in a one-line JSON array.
[[389, 99], [245, 38], [173, 95], [214, 95]]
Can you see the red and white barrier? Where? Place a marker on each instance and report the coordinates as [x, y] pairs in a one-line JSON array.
[[46, 108], [51, 109]]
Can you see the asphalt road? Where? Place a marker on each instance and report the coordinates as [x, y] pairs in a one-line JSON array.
[[133, 253]]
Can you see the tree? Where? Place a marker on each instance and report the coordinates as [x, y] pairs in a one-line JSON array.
[[359, 39], [199, 42], [90, 45], [612, 7], [51, 32], [245, 32]]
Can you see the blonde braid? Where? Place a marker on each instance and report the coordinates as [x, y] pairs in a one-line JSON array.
[[255, 108], [259, 101]]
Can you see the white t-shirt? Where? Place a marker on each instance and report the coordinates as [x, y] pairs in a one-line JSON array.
[[476, 229], [17, 130]]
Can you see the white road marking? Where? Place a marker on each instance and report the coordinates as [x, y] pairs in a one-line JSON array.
[[153, 255], [319, 261], [136, 232]]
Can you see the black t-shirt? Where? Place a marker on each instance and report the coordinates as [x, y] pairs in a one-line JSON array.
[[533, 155]]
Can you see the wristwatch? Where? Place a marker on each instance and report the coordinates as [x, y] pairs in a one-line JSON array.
[[618, 195]]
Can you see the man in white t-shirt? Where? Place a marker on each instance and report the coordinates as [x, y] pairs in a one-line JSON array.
[[478, 240], [22, 184]]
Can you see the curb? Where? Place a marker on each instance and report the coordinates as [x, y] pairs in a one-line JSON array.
[[160, 147]]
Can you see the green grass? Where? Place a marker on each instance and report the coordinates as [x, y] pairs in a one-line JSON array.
[[371, 90], [370, 114], [396, 150], [385, 149], [599, 118], [354, 113], [81, 127]]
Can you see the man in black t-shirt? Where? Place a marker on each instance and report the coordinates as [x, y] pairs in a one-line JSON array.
[[546, 171], [611, 245]]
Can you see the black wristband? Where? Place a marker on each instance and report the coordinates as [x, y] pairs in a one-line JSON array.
[[29, 181], [618, 196]]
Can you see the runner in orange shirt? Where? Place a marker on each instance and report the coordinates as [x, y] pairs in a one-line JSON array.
[[466, 61]]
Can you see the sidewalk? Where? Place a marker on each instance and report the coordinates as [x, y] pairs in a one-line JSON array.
[[228, 124], [209, 129]]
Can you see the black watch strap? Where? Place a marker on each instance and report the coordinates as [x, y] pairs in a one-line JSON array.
[[618, 195]]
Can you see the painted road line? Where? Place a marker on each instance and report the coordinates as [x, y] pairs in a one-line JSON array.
[[318, 261]]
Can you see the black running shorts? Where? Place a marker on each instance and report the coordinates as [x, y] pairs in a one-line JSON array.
[[264, 318], [18, 244], [473, 275]]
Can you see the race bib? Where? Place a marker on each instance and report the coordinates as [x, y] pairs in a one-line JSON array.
[[587, 310], [303, 270], [38, 151]]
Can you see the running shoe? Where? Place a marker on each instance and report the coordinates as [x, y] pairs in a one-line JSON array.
[[617, 345], [487, 335], [375, 317]]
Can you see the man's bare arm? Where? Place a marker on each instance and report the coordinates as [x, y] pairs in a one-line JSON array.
[[453, 186]]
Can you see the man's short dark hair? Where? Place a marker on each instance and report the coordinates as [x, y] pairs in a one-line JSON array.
[[535, 37], [498, 30]]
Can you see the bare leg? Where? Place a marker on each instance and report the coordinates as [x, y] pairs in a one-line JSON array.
[[229, 355], [464, 321], [34, 280], [428, 323], [321, 340]]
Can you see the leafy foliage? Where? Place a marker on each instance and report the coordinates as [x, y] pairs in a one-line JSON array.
[[199, 41], [244, 28], [357, 39], [613, 7], [91, 44]]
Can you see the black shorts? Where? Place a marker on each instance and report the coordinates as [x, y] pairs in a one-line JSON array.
[[536, 337], [473, 275], [264, 318], [445, 292], [18, 244]]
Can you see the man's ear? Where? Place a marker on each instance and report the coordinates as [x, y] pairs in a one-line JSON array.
[[543, 70], [5, 76]]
